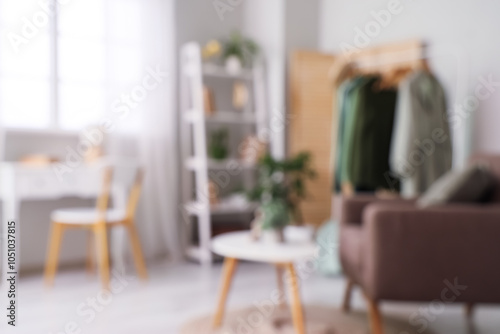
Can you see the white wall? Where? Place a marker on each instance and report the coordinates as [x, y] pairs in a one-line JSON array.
[[200, 21], [301, 24], [280, 26], [264, 23], [462, 46]]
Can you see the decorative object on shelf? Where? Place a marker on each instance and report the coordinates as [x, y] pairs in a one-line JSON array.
[[240, 95], [280, 189], [213, 193], [238, 51], [252, 149], [211, 49], [37, 160], [233, 65], [208, 100], [217, 148]]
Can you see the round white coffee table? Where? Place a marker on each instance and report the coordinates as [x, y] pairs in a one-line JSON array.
[[236, 246]]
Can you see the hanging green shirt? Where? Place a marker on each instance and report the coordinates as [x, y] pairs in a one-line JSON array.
[[348, 105], [370, 141]]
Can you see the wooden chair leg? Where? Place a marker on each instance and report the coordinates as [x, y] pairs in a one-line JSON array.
[[469, 310], [281, 288], [101, 239], [375, 318], [91, 247], [53, 252], [137, 251], [230, 265], [297, 313], [346, 304]]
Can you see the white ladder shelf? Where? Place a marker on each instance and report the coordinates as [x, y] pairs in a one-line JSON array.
[[194, 142]]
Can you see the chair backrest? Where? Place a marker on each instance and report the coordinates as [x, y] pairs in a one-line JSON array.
[[493, 163], [120, 178], [127, 179], [135, 192], [103, 197]]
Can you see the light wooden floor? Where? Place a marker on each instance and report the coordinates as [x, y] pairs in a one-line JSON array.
[[176, 293]]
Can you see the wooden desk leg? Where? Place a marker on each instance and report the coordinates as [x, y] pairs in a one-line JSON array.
[[100, 235], [227, 277], [55, 240], [281, 288], [297, 313], [91, 247]]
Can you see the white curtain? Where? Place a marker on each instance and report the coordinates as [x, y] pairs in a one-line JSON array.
[[158, 137], [152, 122]]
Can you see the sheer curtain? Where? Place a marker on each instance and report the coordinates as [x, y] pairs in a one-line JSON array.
[[149, 125], [158, 137]]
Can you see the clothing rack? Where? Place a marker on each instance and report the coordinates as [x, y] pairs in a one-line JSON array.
[[379, 60]]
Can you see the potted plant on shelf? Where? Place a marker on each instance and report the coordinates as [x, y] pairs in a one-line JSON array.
[[280, 189], [217, 148], [238, 51]]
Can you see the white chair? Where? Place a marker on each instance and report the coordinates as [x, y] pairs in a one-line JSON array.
[[97, 220]]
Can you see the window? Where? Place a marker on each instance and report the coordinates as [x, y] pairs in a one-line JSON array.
[[64, 71]]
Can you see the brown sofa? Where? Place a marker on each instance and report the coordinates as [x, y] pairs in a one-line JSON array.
[[395, 251]]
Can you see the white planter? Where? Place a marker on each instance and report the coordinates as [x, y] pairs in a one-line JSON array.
[[233, 65], [272, 236], [299, 233]]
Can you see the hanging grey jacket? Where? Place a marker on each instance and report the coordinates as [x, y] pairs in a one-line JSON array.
[[421, 148]]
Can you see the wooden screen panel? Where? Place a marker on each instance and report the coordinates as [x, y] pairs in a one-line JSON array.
[[312, 121]]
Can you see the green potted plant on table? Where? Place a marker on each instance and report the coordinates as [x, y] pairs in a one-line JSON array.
[[281, 187]]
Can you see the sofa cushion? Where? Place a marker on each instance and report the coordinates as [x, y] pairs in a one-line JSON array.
[[351, 250], [472, 184]]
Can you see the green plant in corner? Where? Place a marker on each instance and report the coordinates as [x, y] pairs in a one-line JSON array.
[[240, 47], [281, 187], [217, 148]]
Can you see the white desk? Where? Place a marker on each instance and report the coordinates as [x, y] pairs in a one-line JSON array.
[[20, 182]]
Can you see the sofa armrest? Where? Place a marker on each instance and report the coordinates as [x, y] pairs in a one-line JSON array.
[[410, 253], [353, 207]]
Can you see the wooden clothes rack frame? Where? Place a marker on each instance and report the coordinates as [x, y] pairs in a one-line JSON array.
[[377, 60]]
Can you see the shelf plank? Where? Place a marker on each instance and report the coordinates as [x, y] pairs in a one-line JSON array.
[[195, 208], [226, 164], [226, 117], [217, 71], [232, 117]]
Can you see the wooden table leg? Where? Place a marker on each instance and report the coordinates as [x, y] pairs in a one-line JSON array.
[[227, 276], [281, 288], [297, 313]]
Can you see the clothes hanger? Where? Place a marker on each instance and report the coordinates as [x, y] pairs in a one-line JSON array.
[[392, 79], [341, 70]]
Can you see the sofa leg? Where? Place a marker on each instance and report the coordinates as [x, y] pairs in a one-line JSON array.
[[346, 304], [469, 310], [375, 318]]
